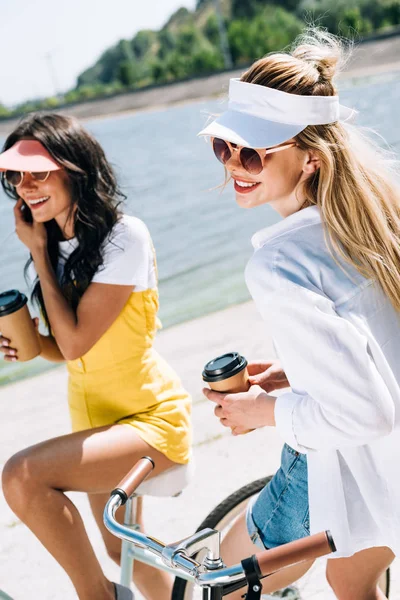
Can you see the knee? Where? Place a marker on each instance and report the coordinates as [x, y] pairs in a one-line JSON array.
[[16, 480], [339, 587], [345, 590]]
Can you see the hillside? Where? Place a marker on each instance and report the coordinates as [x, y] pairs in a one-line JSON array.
[[189, 44]]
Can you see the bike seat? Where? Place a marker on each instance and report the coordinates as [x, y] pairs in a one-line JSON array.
[[168, 483]]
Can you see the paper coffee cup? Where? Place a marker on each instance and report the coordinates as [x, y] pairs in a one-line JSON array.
[[16, 324], [227, 373]]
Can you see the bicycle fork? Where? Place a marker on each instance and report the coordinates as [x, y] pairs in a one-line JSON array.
[[214, 593]]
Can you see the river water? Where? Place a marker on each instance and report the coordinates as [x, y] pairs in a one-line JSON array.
[[201, 236]]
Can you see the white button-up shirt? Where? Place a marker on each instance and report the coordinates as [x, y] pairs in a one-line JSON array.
[[338, 337]]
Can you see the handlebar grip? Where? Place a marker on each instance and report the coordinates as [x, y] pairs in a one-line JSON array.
[[306, 548], [134, 478]]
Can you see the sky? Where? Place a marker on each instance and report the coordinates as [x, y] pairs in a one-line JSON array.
[[46, 44]]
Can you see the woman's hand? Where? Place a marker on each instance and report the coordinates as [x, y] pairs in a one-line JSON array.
[[269, 375], [33, 235], [11, 354], [244, 411]]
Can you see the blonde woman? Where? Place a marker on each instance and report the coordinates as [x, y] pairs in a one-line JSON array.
[[326, 280]]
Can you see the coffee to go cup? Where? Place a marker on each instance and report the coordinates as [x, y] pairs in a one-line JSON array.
[[227, 373], [16, 324]]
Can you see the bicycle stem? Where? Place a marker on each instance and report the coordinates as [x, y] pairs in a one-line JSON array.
[[140, 539], [206, 539], [179, 561]]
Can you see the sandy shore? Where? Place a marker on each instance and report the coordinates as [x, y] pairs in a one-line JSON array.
[[35, 409], [369, 58]]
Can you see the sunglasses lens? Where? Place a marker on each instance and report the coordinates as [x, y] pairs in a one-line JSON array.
[[13, 177], [221, 150], [40, 175], [251, 161]]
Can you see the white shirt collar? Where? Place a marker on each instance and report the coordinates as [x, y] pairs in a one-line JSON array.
[[306, 216]]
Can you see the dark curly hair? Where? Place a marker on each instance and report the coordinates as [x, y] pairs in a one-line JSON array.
[[95, 194]]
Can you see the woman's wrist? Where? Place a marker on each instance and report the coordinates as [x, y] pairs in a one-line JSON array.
[[39, 254], [267, 409], [50, 350]]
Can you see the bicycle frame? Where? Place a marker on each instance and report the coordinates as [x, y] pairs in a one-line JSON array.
[[212, 575], [131, 552]]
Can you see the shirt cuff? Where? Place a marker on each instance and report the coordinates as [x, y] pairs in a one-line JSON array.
[[284, 407]]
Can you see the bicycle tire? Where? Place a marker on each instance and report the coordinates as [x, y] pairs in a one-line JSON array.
[[227, 510]]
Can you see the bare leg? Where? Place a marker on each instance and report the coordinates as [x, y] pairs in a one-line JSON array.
[[152, 583], [356, 577], [89, 461], [237, 545]]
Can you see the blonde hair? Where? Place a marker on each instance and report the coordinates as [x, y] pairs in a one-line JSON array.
[[356, 186]]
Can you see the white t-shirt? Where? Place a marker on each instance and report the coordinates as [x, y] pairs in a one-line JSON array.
[[128, 256]]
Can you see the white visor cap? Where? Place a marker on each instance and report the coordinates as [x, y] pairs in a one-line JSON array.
[[262, 117]]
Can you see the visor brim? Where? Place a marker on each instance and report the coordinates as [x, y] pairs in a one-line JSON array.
[[27, 155], [250, 131]]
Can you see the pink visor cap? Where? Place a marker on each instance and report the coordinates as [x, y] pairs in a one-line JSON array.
[[28, 155]]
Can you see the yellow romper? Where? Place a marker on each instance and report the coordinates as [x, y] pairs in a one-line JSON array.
[[122, 379]]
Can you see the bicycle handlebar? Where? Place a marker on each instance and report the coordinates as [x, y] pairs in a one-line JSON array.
[[134, 478], [310, 547], [265, 563], [268, 562]]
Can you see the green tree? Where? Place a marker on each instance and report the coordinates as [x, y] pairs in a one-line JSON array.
[[4, 111], [159, 71], [211, 29], [71, 96], [50, 103], [272, 29], [323, 12], [187, 40], [393, 12], [167, 43], [239, 39], [124, 50], [206, 61], [106, 69], [351, 17], [142, 42], [178, 66], [353, 23], [181, 17], [88, 92], [373, 10], [128, 73], [246, 9]]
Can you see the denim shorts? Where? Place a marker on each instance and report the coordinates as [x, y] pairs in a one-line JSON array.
[[280, 514]]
